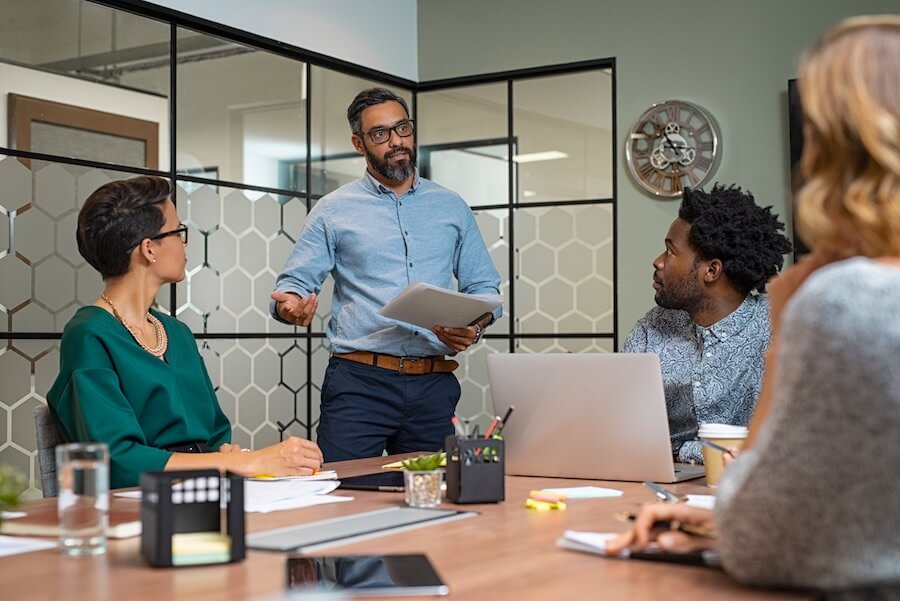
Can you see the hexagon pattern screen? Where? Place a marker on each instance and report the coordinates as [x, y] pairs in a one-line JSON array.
[[562, 280]]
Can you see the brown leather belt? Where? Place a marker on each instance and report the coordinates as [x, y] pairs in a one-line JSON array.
[[410, 366]]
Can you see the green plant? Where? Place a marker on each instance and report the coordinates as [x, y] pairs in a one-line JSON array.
[[12, 484], [424, 463]]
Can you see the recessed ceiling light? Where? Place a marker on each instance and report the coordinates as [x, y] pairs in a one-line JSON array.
[[533, 157]]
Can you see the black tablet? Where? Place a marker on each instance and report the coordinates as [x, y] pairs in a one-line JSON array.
[[384, 481], [365, 575]]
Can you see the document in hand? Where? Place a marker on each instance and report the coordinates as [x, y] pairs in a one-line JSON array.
[[427, 306]]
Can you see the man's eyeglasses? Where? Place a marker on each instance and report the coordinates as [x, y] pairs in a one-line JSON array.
[[181, 231], [380, 135]]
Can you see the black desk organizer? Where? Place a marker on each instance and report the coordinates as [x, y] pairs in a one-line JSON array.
[[475, 470], [195, 508]]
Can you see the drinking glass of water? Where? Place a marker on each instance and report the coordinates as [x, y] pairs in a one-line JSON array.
[[83, 472]]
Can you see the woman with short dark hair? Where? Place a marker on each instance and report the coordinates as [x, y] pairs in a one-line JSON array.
[[131, 376]]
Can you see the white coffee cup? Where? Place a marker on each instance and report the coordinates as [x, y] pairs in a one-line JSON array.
[[725, 435]]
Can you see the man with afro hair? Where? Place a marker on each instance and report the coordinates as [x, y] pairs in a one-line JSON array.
[[711, 326]]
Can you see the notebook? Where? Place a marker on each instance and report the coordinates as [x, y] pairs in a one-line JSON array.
[[600, 416], [44, 521]]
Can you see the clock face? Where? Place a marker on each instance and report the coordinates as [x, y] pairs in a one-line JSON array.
[[674, 144]]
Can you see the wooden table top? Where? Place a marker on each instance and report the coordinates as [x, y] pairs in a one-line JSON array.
[[506, 552]]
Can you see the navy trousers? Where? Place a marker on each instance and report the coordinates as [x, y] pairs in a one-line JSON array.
[[366, 410]]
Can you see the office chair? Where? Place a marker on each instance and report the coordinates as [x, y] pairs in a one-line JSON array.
[[48, 436]]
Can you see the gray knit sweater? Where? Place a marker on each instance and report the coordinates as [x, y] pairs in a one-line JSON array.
[[817, 502]]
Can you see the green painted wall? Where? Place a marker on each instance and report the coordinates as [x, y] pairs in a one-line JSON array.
[[734, 58]]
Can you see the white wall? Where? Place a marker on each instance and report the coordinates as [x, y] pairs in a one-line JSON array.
[[378, 34], [79, 92], [734, 58]]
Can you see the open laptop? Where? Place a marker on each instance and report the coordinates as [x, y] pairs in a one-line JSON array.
[[600, 416]]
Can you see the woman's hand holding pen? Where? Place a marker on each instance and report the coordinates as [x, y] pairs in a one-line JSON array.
[[291, 457], [646, 529], [296, 309]]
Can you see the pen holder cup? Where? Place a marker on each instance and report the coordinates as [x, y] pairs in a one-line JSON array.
[[181, 518], [475, 470]]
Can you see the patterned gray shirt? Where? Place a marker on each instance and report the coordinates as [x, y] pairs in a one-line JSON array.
[[710, 375]]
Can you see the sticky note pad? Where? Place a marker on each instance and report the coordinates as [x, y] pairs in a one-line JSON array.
[[194, 548]]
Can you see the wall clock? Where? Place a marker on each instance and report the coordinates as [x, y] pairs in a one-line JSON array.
[[672, 145]]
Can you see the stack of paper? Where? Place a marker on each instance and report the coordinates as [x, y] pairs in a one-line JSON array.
[[427, 306], [276, 495], [320, 475]]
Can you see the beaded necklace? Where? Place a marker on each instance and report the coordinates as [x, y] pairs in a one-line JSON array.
[[162, 341]]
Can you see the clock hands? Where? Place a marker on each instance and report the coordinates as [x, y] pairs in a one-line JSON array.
[[672, 145]]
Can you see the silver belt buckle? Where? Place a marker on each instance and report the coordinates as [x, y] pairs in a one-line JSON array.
[[408, 360]]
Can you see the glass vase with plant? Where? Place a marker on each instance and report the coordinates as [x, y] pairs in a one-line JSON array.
[[423, 478]]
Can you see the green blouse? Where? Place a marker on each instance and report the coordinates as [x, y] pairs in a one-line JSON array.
[[111, 390]]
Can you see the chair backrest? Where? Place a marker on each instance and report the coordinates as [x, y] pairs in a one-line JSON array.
[[48, 436]]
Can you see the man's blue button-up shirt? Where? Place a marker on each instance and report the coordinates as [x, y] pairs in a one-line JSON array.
[[375, 244]]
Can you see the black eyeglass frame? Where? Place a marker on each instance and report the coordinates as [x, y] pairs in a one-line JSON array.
[[181, 230], [389, 130]]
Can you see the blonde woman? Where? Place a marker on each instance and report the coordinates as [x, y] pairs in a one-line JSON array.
[[131, 376], [816, 501]]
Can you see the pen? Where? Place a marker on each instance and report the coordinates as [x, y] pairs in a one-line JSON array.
[[457, 427], [712, 445], [504, 419], [627, 516], [665, 495]]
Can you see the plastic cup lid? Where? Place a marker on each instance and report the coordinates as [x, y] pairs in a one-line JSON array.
[[722, 431]]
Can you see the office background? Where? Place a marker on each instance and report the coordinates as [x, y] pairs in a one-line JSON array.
[[256, 134]]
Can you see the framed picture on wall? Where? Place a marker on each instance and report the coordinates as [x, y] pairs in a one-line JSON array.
[[50, 127]]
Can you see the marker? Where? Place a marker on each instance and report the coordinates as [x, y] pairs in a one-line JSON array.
[[493, 425], [712, 445], [504, 419]]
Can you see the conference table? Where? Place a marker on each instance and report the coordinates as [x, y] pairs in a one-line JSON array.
[[505, 552]]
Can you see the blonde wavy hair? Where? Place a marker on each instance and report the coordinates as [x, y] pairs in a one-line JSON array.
[[850, 90]]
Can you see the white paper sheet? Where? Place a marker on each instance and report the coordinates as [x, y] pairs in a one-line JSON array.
[[584, 492], [702, 501], [591, 542], [13, 545], [427, 306]]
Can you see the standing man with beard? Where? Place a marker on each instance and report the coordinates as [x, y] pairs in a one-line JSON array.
[[388, 385], [709, 329]]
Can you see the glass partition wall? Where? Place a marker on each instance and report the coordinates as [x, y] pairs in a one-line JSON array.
[[253, 133], [532, 152]]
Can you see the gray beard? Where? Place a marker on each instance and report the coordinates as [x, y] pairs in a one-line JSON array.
[[400, 173]]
